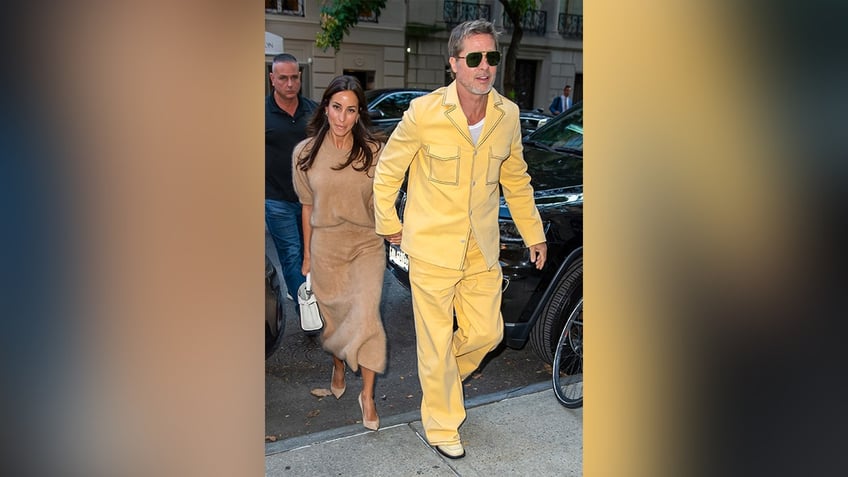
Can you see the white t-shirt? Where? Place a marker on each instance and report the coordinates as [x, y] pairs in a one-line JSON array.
[[476, 129]]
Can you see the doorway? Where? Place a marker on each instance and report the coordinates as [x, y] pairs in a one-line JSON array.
[[577, 95], [525, 82], [365, 77]]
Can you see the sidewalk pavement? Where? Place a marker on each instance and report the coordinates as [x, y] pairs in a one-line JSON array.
[[519, 432]]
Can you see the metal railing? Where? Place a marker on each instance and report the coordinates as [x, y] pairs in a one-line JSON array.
[[570, 26], [534, 21], [458, 12]]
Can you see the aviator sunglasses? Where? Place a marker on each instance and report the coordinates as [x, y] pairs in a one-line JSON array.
[[474, 59]]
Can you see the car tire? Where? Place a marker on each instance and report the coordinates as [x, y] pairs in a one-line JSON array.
[[548, 328], [275, 323]]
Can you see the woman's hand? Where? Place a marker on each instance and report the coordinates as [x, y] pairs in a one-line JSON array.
[[304, 269]]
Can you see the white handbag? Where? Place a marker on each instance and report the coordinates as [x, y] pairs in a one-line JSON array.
[[310, 316]]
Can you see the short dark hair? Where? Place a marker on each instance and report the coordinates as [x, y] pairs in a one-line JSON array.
[[284, 58]]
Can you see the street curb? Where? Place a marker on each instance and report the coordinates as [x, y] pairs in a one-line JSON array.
[[272, 448]]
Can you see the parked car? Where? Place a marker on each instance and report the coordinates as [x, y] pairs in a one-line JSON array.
[[531, 120], [536, 303], [386, 106], [275, 321]]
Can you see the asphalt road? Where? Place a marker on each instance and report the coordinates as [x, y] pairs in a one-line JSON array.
[[300, 366]]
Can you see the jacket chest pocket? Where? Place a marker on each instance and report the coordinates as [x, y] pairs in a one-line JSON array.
[[496, 159], [443, 162]]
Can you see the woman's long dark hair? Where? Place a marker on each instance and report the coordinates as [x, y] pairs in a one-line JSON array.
[[365, 142]]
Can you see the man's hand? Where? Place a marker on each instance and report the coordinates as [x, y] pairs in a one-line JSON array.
[[538, 254], [394, 238]]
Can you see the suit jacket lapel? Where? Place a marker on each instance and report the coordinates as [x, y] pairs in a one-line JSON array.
[[494, 115], [454, 112]]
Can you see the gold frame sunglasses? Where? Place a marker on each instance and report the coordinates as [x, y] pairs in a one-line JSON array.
[[473, 59]]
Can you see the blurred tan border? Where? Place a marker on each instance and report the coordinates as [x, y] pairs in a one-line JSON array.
[[161, 109]]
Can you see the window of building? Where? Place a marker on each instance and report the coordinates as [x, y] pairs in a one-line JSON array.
[[574, 7], [455, 13], [285, 7], [368, 16], [570, 21]]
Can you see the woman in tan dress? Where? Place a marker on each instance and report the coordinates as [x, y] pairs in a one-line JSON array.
[[333, 171]]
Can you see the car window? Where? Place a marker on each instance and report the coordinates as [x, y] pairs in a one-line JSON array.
[[562, 132], [393, 105], [371, 95]]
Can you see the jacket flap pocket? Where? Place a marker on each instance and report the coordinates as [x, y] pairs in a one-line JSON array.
[[443, 152]]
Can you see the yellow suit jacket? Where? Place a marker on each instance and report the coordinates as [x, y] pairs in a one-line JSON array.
[[453, 187]]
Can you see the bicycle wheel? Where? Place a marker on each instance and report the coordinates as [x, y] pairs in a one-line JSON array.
[[568, 361]]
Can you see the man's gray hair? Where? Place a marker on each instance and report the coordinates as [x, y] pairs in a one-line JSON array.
[[466, 29]]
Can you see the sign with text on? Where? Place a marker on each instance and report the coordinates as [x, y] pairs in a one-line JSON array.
[[273, 44]]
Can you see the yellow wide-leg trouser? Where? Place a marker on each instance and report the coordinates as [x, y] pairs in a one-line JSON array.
[[446, 357]]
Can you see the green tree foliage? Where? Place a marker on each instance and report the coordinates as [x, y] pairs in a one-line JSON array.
[[337, 16]]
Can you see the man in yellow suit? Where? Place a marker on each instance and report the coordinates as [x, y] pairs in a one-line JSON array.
[[461, 145]]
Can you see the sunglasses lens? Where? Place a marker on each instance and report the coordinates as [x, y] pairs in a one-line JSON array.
[[473, 59]]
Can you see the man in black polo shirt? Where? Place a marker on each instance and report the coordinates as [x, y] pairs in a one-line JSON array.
[[286, 116]]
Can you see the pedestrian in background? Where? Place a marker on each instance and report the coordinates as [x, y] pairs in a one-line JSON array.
[[563, 102], [460, 144], [333, 177], [286, 115]]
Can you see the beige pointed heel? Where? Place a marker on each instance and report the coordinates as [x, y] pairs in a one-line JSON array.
[[337, 392], [372, 425]]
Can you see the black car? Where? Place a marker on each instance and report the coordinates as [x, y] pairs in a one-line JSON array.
[[275, 322], [386, 106], [536, 303]]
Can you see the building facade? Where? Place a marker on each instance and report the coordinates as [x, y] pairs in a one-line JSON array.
[[406, 45]]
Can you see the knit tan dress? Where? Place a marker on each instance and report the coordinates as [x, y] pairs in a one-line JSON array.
[[347, 256]]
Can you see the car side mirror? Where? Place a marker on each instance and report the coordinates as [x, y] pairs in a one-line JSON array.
[[375, 114]]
